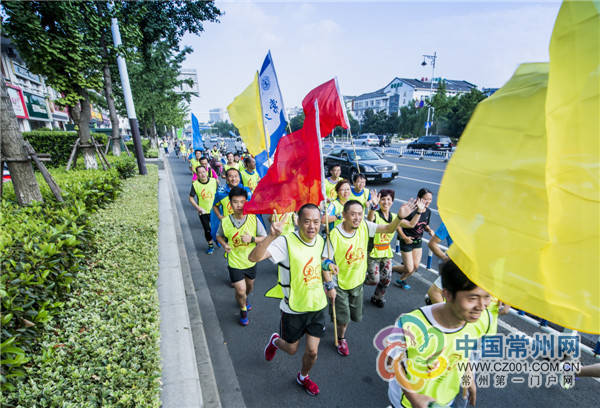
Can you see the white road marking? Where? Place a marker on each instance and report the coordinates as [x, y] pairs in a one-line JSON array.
[[420, 181]]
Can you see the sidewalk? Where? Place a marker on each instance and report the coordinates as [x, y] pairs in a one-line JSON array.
[[183, 345]]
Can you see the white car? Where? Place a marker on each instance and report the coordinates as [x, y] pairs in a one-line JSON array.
[[367, 139]]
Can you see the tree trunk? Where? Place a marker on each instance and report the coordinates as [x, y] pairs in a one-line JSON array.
[[84, 132], [108, 94], [12, 146], [153, 135]]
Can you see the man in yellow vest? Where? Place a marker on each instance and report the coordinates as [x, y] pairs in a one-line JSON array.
[[430, 369], [332, 180], [349, 241], [304, 279], [359, 192], [202, 195], [250, 177], [238, 235]]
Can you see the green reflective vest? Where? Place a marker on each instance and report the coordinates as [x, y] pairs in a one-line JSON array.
[[226, 208], [305, 292], [330, 188], [432, 356], [205, 192], [350, 255], [382, 241], [238, 257]]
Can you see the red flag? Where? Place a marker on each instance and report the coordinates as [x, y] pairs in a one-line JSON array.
[[331, 108], [294, 178]]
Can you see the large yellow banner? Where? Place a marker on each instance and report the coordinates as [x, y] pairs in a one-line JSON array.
[[246, 114]]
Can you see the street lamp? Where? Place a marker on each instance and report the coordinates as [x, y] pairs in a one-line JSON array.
[[431, 59]]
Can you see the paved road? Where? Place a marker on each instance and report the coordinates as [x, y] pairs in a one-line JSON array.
[[344, 382]]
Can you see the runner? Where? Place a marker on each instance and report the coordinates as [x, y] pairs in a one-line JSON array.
[[238, 235], [222, 206], [195, 162], [215, 153], [203, 190], [463, 314], [302, 277], [237, 160], [250, 177], [434, 294], [336, 208], [379, 264], [231, 164], [332, 180], [411, 234], [204, 163], [359, 192], [349, 242]]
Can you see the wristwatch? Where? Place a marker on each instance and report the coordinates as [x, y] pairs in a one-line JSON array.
[[253, 240]]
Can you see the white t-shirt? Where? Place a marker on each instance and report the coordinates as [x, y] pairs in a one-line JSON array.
[[279, 255]]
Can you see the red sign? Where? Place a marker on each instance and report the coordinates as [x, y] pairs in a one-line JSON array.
[[17, 101]]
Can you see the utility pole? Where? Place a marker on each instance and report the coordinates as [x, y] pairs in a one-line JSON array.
[[133, 122], [432, 59]]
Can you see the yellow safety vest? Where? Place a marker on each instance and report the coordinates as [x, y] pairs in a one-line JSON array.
[[216, 154], [205, 193], [306, 293], [338, 208], [330, 188], [238, 257], [362, 198], [351, 256], [432, 357], [226, 208], [250, 180], [234, 166], [381, 241], [195, 163], [289, 226]]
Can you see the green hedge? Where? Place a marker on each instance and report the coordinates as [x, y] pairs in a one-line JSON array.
[[145, 147], [43, 248], [57, 143], [104, 349]]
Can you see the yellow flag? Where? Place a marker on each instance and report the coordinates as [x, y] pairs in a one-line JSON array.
[[521, 195], [246, 114]]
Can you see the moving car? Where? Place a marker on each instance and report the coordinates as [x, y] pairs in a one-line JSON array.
[[371, 165], [367, 139], [432, 143]]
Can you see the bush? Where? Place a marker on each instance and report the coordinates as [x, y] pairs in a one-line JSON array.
[[145, 146], [152, 154], [104, 349], [43, 248], [124, 164], [57, 144]]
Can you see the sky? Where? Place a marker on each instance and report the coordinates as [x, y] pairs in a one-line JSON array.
[[365, 44]]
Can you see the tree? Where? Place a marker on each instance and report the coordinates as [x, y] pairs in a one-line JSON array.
[[461, 111], [223, 129], [297, 122], [411, 120], [61, 42], [12, 145]]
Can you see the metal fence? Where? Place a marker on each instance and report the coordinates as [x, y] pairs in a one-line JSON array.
[[398, 151]]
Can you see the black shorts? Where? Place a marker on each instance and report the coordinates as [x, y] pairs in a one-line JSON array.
[[237, 275], [293, 326], [416, 244]]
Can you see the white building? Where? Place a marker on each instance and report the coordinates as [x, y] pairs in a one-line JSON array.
[[403, 91], [216, 115]]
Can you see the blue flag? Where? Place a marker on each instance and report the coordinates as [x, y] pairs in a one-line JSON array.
[[273, 111], [197, 143]]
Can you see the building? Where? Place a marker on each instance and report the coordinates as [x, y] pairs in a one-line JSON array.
[[32, 100], [187, 87], [216, 115], [403, 91]]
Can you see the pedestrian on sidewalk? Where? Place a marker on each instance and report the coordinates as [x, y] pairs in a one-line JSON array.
[[411, 235], [202, 196], [348, 249], [303, 279], [238, 235]]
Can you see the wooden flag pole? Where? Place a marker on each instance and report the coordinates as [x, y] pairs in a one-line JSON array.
[[327, 242]]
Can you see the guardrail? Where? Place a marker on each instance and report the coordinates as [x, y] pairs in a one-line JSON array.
[[541, 323], [401, 151]]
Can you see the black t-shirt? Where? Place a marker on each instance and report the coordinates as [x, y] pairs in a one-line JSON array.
[[417, 231]]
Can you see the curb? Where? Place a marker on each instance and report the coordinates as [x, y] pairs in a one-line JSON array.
[[180, 379]]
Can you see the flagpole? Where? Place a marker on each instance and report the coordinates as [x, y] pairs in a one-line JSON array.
[[323, 191], [349, 132]]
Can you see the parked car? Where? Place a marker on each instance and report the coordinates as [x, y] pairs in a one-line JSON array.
[[432, 143], [371, 165], [367, 139]]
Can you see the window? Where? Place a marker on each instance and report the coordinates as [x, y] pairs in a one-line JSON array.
[[336, 153]]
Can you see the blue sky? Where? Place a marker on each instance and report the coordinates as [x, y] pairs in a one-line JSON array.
[[365, 44]]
